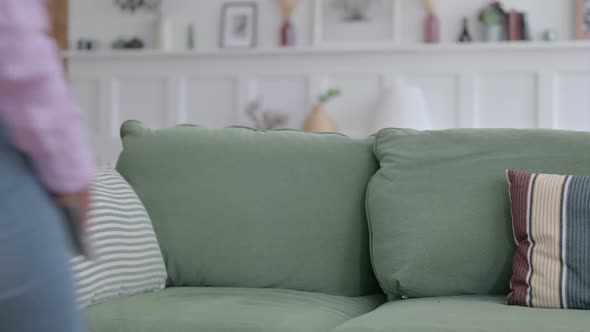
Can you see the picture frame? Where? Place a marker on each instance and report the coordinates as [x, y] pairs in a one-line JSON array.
[[582, 19], [355, 21], [239, 25]]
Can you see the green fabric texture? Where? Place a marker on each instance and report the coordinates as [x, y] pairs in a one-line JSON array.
[[228, 310], [237, 207], [439, 208], [478, 313]]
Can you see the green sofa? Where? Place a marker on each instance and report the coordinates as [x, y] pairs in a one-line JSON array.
[[287, 231]]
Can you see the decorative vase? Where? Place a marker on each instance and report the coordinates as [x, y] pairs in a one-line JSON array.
[[401, 105], [432, 29], [550, 35], [319, 121], [494, 33], [287, 29], [165, 30], [287, 33], [191, 37]]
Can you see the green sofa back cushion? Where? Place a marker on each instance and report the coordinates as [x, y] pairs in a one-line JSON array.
[[439, 209], [237, 207]]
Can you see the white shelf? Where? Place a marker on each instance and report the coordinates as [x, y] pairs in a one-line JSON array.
[[338, 49]]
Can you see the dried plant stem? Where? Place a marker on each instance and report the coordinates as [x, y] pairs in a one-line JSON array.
[[288, 7], [429, 5]]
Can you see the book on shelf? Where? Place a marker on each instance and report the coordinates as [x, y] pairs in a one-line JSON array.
[[513, 26], [518, 27]]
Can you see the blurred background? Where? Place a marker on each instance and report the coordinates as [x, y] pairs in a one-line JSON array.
[[352, 66]]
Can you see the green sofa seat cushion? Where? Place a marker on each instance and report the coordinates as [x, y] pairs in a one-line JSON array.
[[228, 310], [476, 313], [439, 208], [237, 207]]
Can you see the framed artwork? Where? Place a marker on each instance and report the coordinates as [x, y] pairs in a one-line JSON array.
[[341, 21], [239, 25], [583, 19]]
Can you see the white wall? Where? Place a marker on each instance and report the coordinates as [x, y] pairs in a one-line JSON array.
[[518, 85], [536, 86], [100, 19]]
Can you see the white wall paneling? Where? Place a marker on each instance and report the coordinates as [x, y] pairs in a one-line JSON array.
[[515, 85], [547, 90], [142, 98], [87, 93], [573, 100], [441, 92], [506, 100], [354, 111], [208, 101]]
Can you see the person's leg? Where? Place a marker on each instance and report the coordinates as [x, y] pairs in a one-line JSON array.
[[36, 288]]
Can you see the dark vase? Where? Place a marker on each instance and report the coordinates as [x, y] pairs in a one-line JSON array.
[[287, 34]]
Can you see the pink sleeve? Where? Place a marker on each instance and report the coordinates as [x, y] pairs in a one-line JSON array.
[[36, 105]]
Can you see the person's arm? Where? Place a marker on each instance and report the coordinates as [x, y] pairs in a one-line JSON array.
[[36, 106]]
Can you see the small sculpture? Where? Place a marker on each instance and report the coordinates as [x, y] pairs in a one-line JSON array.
[[264, 120], [85, 44], [465, 36], [550, 35], [133, 43], [133, 5]]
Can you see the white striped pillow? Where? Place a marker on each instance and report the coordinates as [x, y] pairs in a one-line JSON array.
[[128, 258]]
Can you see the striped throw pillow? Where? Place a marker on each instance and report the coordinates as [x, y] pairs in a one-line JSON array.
[[551, 222], [127, 258]]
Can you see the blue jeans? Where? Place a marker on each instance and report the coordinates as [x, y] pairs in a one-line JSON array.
[[36, 286]]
